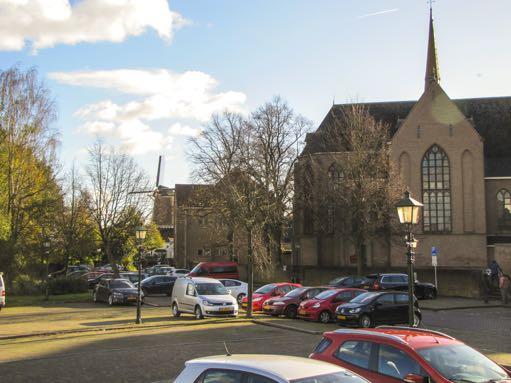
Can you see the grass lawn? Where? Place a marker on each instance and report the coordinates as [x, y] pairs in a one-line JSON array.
[[37, 300]]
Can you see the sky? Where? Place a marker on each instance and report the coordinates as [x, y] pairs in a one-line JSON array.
[[146, 75]]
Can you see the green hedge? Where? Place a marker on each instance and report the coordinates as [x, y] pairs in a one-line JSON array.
[[64, 285], [26, 285]]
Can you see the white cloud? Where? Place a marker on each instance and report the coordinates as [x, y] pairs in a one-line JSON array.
[[46, 23], [183, 130], [159, 95]]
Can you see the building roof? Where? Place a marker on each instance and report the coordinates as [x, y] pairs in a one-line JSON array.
[[185, 192], [283, 367], [491, 117]]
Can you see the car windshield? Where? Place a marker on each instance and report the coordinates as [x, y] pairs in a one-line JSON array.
[[461, 363], [211, 289], [265, 289], [326, 294], [121, 284], [336, 280], [363, 298], [338, 377], [296, 292]]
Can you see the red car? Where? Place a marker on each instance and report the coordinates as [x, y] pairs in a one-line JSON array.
[[322, 307], [413, 355], [264, 293], [217, 270], [288, 304]]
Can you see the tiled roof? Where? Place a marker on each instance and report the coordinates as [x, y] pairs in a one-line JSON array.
[[491, 117]]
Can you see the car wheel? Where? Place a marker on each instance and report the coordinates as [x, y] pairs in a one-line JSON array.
[[111, 300], [291, 312], [365, 321], [198, 312], [324, 317], [95, 297], [240, 297], [417, 322], [175, 310]]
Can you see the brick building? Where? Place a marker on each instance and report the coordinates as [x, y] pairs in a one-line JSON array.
[[454, 156]]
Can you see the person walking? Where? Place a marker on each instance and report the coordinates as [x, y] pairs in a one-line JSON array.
[[486, 284], [505, 287]]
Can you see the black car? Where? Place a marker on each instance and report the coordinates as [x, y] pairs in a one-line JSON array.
[[373, 308], [158, 284], [133, 276], [399, 282], [115, 291], [94, 281], [347, 281]]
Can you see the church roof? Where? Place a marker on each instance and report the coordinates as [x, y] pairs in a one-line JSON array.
[[491, 117]]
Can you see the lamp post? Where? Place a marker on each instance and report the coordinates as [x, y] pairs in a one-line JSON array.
[[408, 211], [140, 235]]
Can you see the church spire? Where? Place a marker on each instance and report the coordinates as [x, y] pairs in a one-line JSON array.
[[432, 72]]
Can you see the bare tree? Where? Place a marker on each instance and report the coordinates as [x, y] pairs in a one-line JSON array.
[[354, 194], [113, 178], [278, 138]]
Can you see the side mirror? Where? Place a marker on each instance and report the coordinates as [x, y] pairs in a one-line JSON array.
[[414, 378], [229, 291], [378, 304]]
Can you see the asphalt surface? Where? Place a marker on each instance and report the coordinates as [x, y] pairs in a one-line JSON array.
[[159, 354]]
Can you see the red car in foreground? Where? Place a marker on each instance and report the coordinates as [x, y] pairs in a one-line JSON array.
[[395, 354], [322, 307], [266, 292]]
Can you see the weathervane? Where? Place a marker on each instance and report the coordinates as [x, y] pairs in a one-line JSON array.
[[431, 3]]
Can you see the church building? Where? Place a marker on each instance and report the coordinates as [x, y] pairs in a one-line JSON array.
[[455, 157]]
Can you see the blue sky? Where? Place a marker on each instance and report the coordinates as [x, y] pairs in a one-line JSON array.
[[147, 76]]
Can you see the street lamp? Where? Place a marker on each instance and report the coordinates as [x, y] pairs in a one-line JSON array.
[[140, 233], [408, 211]]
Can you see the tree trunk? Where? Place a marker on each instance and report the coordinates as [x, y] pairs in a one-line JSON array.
[[250, 274], [277, 239], [230, 241], [360, 254]]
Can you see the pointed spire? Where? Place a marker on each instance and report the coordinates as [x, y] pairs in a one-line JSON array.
[[432, 72]]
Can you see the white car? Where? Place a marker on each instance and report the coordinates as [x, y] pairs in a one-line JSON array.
[[238, 289], [203, 297], [264, 369], [179, 272]]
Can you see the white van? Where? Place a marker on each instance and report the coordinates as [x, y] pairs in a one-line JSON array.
[[202, 297], [2, 291]]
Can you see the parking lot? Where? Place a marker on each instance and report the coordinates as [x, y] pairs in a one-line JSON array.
[[59, 342]]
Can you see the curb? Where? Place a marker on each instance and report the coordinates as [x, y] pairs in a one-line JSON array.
[[285, 327]]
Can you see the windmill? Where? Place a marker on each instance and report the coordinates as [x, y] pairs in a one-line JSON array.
[[159, 189]]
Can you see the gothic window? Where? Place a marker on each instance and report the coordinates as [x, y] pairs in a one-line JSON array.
[[335, 175], [504, 208], [436, 190]]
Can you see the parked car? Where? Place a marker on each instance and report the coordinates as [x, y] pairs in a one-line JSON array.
[[347, 281], [264, 369], [92, 282], [73, 268], [400, 282], [161, 270], [202, 297], [133, 276], [268, 291], [158, 284], [288, 304], [371, 308], [76, 274], [218, 270], [322, 307], [2, 291], [396, 354], [115, 291], [180, 272], [108, 268], [238, 289]]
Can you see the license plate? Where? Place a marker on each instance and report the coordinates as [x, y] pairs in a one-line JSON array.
[[224, 309], [341, 317], [266, 307], [244, 305]]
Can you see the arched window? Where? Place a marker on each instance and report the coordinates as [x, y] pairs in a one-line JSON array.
[[335, 174], [504, 208], [436, 190]]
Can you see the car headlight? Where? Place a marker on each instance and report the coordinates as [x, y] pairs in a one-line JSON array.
[[316, 305], [279, 304], [354, 311], [257, 299], [206, 302]]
